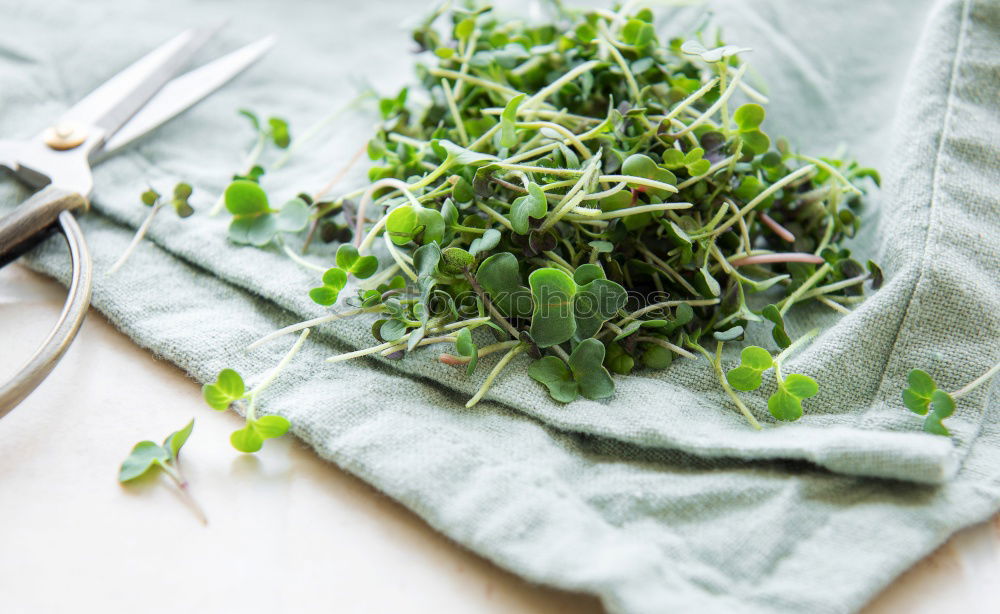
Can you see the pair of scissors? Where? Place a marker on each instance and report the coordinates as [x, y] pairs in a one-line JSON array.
[[58, 160]]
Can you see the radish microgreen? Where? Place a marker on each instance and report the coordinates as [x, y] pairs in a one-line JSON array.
[[147, 456], [152, 199], [228, 390], [601, 209], [924, 398]]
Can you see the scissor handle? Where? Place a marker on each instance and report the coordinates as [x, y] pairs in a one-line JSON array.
[[48, 208], [33, 219]]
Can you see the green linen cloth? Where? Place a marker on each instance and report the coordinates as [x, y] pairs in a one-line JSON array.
[[660, 499]]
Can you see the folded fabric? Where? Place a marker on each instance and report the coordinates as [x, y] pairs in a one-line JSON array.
[[660, 499]]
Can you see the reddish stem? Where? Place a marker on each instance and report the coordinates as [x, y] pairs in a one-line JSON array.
[[778, 229], [780, 257]]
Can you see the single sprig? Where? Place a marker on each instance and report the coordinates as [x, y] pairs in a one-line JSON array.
[[229, 389], [149, 456], [924, 398], [152, 199]]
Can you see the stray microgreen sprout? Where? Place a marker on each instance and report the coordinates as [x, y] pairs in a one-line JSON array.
[[151, 198], [229, 389], [147, 456]]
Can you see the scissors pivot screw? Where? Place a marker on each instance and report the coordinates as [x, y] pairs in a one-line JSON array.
[[65, 135]]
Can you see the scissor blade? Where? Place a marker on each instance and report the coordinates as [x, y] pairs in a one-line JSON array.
[[113, 103], [184, 91]]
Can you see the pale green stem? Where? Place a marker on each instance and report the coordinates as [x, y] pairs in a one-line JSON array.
[[840, 285], [717, 367], [655, 306], [687, 101], [789, 300], [470, 48], [489, 85], [398, 258], [486, 350], [834, 172], [310, 323], [771, 189], [570, 138], [500, 366], [964, 390], [711, 171], [302, 261], [453, 108], [802, 340], [139, 234], [276, 371], [175, 474], [715, 107], [556, 85]]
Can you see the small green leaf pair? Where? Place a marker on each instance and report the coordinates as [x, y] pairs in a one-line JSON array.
[[147, 455], [748, 118], [533, 205], [349, 261], [276, 131], [924, 398], [694, 161], [182, 192], [254, 221], [567, 307], [229, 388], [584, 376], [786, 402], [641, 165], [408, 223]]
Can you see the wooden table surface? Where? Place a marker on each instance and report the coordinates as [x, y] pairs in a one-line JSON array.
[[73, 539]]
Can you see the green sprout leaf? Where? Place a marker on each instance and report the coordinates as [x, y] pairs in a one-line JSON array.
[[334, 281], [348, 259], [501, 279], [489, 240], [508, 135], [246, 198], [465, 346], [227, 388], [294, 216], [641, 165], [251, 437], [585, 375], [149, 197], [279, 133], [786, 403], [553, 373], [534, 205], [176, 440], [748, 118], [182, 192], [753, 362], [587, 364], [595, 303], [402, 224], [144, 456], [778, 332], [924, 398], [552, 319]]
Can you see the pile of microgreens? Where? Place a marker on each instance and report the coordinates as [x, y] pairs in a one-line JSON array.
[[587, 195], [580, 192]]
